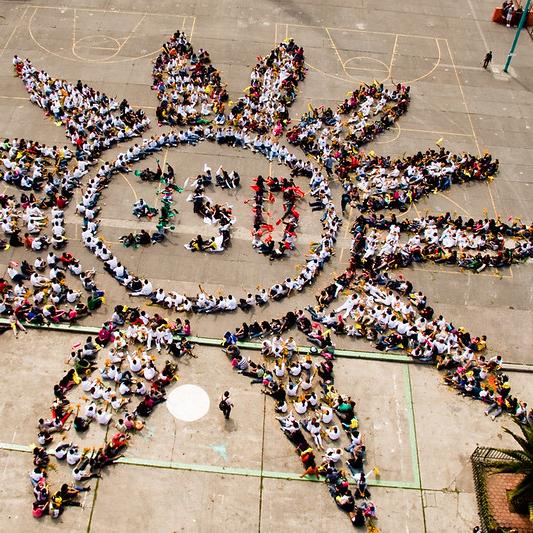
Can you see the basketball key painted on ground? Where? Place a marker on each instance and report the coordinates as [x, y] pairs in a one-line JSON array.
[[188, 403]]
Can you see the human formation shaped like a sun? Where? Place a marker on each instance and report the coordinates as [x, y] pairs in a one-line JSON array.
[[122, 388]]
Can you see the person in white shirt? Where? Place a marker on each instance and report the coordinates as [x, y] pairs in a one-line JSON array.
[[149, 371], [300, 407], [73, 455], [292, 389], [279, 369], [146, 289], [87, 383], [291, 348], [36, 475], [306, 383], [312, 400], [295, 369], [327, 414], [90, 410], [314, 428], [103, 417], [333, 433], [230, 303], [135, 364], [333, 454]]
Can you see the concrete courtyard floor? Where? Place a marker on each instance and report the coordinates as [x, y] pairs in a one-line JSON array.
[[243, 475]]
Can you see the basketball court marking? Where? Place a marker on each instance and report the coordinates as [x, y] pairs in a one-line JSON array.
[[226, 470], [15, 28], [385, 68], [467, 110], [113, 45]]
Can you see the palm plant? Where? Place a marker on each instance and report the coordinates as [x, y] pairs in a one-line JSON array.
[[520, 461]]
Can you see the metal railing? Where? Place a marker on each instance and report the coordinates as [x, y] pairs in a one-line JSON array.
[[484, 460]]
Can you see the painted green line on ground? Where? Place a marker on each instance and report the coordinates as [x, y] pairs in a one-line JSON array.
[[378, 356], [247, 345], [70, 328], [245, 472], [411, 425], [222, 470], [210, 341], [11, 447]]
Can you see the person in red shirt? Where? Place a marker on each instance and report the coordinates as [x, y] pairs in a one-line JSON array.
[[28, 240]]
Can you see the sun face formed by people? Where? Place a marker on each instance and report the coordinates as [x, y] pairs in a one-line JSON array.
[[194, 109]]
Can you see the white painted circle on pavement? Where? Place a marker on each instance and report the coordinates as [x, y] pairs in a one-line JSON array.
[[188, 403]]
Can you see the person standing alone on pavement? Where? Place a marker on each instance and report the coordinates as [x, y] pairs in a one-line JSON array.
[[346, 198], [487, 60], [225, 404]]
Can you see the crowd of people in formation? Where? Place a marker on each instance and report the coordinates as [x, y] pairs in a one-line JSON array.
[[191, 92], [371, 110], [385, 183], [39, 293], [93, 121], [115, 393], [389, 243], [188, 87], [277, 76], [319, 421], [370, 181], [380, 182]]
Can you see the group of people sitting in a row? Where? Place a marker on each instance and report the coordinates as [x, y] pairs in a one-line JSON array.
[[385, 183], [372, 109], [474, 245], [93, 121], [378, 182], [36, 167]]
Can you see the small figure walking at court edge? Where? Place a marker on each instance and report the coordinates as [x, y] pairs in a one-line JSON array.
[[225, 404], [487, 60]]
